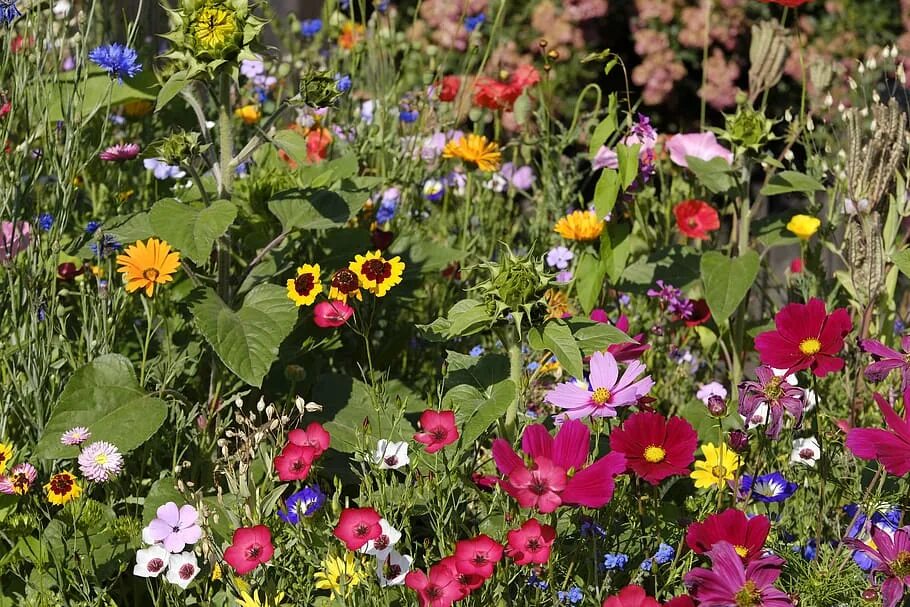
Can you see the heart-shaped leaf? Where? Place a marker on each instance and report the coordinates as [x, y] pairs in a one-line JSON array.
[[316, 209], [727, 280], [105, 397], [247, 340], [557, 337], [192, 229]]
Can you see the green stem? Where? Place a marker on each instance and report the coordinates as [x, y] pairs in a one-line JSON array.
[[516, 370], [225, 136]]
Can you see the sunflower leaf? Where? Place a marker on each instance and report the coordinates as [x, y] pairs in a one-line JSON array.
[[190, 229]]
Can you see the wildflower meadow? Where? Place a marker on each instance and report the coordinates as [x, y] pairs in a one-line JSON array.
[[388, 303]]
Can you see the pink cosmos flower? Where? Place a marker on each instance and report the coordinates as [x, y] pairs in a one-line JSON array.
[[314, 436], [746, 535], [477, 556], [730, 582], [438, 589], [14, 238], [888, 360], [699, 145], [174, 527], [331, 314], [545, 484], [357, 526], [438, 430], [891, 556], [776, 394], [888, 446], [531, 543], [120, 152], [604, 390], [250, 547]]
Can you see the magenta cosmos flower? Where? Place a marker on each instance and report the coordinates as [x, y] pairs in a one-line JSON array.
[[891, 556], [699, 145], [774, 392], [729, 582], [546, 484], [888, 446], [120, 152], [174, 527], [604, 391], [887, 360]]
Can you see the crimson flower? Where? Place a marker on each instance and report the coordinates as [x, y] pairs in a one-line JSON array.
[[888, 446], [294, 461], [331, 314], [478, 555], [314, 436], [438, 589], [887, 360], [787, 3], [631, 596], [501, 94], [545, 484], [731, 582], [467, 582], [530, 543], [357, 526], [695, 218], [891, 556], [626, 351], [655, 447], [746, 535], [448, 88], [250, 547], [807, 337], [438, 430]]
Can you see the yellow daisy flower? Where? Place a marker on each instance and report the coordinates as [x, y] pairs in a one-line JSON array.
[[376, 273], [213, 27], [246, 600], [580, 225], [339, 575], [804, 226], [250, 114], [6, 454], [717, 468], [345, 283], [62, 488], [304, 289], [145, 264], [475, 149]]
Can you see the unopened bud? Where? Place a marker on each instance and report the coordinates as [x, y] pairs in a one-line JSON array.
[[717, 406], [738, 441]]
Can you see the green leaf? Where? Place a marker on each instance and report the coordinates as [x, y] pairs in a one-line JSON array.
[[130, 228], [557, 337], [602, 132], [589, 281], [715, 174], [247, 340], [727, 281], [676, 265], [771, 231], [477, 411], [902, 260], [105, 397], [791, 181], [466, 317], [606, 192], [294, 145], [174, 85], [76, 101], [592, 336], [478, 371], [315, 209], [615, 247], [628, 163], [192, 229]]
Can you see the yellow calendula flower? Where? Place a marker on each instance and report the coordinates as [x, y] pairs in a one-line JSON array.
[[717, 468], [62, 488], [376, 273], [213, 27], [303, 289], [146, 264], [476, 150], [250, 113], [804, 226], [246, 600], [580, 225], [6, 454], [339, 575]]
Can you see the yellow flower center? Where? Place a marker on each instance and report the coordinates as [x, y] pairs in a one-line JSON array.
[[151, 274], [655, 454], [810, 346], [748, 596], [101, 459], [601, 396], [742, 551], [719, 472], [213, 27]]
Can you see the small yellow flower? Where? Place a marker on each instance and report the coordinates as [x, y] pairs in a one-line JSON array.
[[125, 195], [717, 468], [580, 225], [97, 271], [339, 575], [804, 226], [62, 488], [249, 113], [6, 454], [216, 572], [246, 600], [148, 263], [376, 273], [475, 149], [213, 27], [303, 289]]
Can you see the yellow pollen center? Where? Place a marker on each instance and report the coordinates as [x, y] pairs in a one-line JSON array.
[[742, 551], [655, 454], [810, 346], [601, 396], [101, 459], [719, 471], [151, 274]]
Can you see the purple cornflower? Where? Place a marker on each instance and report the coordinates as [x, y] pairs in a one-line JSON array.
[[120, 152], [173, 527], [75, 436], [100, 462], [774, 392], [559, 257], [888, 360]]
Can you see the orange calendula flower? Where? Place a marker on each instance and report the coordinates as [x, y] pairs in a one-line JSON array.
[[351, 34], [62, 488], [303, 289], [249, 113], [580, 225], [145, 264], [476, 150], [376, 273]]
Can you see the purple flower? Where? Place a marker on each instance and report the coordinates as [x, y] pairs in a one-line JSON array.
[[521, 178], [729, 582], [14, 238], [252, 68], [100, 462], [604, 391], [303, 503], [699, 145], [892, 558], [174, 527], [120, 152], [564, 276], [117, 60], [772, 391], [163, 170], [708, 390], [673, 299], [559, 257], [605, 158], [75, 436], [888, 360]]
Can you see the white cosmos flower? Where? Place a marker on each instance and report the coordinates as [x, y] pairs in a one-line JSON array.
[[390, 455]]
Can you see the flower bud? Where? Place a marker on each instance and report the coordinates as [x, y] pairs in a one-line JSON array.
[[717, 406], [738, 441]]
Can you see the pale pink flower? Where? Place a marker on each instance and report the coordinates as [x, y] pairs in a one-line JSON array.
[[699, 145]]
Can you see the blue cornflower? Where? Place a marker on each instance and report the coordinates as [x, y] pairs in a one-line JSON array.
[[533, 366], [884, 517], [45, 221], [899, 325], [117, 60], [572, 596], [342, 83], [808, 551], [386, 211], [768, 488], [92, 227], [310, 27], [615, 561], [646, 564], [625, 299], [8, 12], [535, 581], [408, 114], [474, 21], [107, 245], [664, 554], [303, 503], [476, 351]]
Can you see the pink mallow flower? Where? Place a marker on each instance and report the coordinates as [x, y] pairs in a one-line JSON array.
[[700, 145], [604, 391], [545, 483], [14, 238], [888, 446], [174, 527], [730, 582], [887, 360], [120, 152], [891, 557]]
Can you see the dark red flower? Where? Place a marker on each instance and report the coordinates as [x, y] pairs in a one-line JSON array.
[[701, 313], [746, 535], [438, 430], [477, 556], [655, 447], [314, 436], [448, 88], [357, 526], [294, 461], [381, 239], [796, 265], [68, 271], [695, 218], [250, 547], [501, 94], [807, 337]]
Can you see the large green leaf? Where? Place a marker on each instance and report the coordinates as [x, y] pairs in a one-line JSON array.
[[615, 247], [466, 317], [556, 336], [589, 281], [192, 229], [247, 340], [715, 174], [105, 397], [902, 260], [479, 390], [592, 336], [79, 100], [316, 209], [606, 192], [727, 280], [791, 181]]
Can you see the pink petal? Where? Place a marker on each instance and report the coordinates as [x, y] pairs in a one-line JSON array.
[[536, 441], [505, 457], [169, 513], [604, 370], [593, 486], [569, 396], [570, 449]]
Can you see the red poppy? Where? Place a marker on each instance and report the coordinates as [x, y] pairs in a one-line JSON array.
[[746, 535], [294, 461], [314, 436], [501, 94], [807, 337], [438, 430], [477, 556], [331, 314], [449, 87], [655, 447], [357, 526], [695, 218], [531, 543], [250, 547], [787, 3]]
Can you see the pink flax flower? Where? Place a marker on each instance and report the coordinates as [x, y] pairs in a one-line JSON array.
[[545, 483], [332, 314], [888, 446], [775, 393], [250, 547], [438, 430], [467, 582], [294, 462], [357, 526], [631, 596], [314, 436], [477, 555], [438, 589], [888, 360], [730, 582], [604, 391], [531, 543], [806, 337], [174, 527], [891, 557]]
